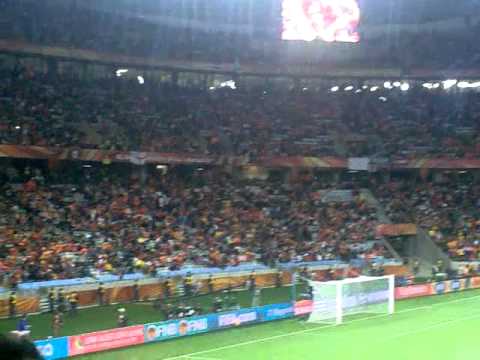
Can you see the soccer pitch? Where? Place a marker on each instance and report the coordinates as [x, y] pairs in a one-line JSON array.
[[438, 328]]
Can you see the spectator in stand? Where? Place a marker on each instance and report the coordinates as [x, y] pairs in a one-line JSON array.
[[63, 231], [448, 209]]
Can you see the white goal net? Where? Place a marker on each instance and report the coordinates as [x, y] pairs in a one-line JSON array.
[[334, 300]]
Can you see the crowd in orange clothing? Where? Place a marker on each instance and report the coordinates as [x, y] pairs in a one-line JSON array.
[[53, 228], [120, 114], [447, 209]]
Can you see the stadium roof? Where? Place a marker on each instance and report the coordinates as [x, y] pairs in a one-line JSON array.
[[374, 12]]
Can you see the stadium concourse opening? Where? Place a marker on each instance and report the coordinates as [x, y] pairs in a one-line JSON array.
[[222, 180]]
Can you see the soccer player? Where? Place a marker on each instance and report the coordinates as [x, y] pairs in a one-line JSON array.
[[22, 324]]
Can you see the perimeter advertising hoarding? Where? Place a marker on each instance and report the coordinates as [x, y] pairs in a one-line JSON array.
[[51, 349], [275, 312], [237, 318], [105, 340], [199, 324], [303, 307], [412, 291], [177, 328]]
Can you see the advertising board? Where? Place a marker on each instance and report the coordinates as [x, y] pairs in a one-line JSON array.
[[275, 312], [303, 307], [237, 318], [177, 328], [51, 349], [105, 340], [411, 291]]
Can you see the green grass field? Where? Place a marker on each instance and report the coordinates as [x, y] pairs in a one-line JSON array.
[[438, 328]]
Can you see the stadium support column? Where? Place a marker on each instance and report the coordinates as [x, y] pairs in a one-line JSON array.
[[52, 67], [143, 174], [175, 78]]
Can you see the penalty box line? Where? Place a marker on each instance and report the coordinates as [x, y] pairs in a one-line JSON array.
[[269, 338]]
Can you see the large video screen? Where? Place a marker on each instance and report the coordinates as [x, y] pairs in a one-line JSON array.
[[327, 20]]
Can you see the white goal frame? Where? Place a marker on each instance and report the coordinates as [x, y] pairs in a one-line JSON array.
[[339, 288]]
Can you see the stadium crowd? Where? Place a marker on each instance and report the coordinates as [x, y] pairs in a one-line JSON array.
[[55, 227], [449, 210], [120, 114]]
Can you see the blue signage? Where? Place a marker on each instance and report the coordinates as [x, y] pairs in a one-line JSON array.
[[237, 318], [51, 349], [455, 285], [440, 287], [276, 312]]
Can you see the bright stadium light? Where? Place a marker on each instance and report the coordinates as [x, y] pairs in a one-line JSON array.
[[229, 83], [374, 88], [387, 85], [397, 84], [435, 85], [141, 80], [427, 85], [334, 89], [349, 88], [382, 98], [405, 87], [120, 72], [447, 84], [365, 87], [358, 91], [466, 84]]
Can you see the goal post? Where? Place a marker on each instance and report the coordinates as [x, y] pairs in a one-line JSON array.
[[334, 300]]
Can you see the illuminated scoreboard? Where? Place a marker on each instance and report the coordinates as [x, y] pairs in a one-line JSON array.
[[327, 20]]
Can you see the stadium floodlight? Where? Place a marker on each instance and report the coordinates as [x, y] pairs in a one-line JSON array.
[[365, 87], [387, 85], [435, 85], [120, 72], [382, 99], [374, 88], [229, 83], [405, 86], [334, 300], [349, 88], [397, 84], [334, 89], [427, 85], [358, 91], [141, 80], [447, 84], [466, 84]]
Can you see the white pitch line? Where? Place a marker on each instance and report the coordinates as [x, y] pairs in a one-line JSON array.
[[256, 341], [430, 327]]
